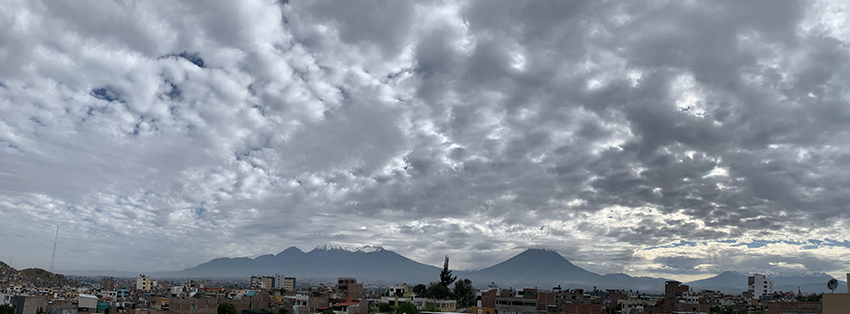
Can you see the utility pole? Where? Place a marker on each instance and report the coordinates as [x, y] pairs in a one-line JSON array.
[[53, 258]]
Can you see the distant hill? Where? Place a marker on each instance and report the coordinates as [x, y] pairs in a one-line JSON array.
[[365, 263], [544, 269], [736, 282], [35, 276]]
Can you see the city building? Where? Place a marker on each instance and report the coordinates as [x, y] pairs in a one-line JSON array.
[[443, 305], [145, 283], [348, 287], [262, 282], [289, 283], [25, 304], [86, 303], [107, 284], [759, 286], [400, 290]]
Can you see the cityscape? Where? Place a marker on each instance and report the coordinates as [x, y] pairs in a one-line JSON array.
[[36, 291], [424, 156]]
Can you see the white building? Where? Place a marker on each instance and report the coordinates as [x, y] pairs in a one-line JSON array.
[[759, 285], [87, 301]]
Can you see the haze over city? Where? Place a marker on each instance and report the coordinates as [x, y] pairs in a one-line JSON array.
[[674, 139]]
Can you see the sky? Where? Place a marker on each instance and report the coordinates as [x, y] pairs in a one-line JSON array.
[[654, 138]]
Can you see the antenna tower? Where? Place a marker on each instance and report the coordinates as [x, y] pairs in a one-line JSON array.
[[53, 258]]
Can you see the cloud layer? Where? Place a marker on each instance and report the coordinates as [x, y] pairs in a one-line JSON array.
[[665, 138]]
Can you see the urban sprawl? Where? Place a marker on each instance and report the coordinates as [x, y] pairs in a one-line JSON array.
[[35, 291]]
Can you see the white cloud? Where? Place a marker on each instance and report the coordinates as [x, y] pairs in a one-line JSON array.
[[240, 128]]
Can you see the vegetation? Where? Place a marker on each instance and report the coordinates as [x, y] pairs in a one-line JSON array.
[[282, 311], [814, 297], [327, 312], [420, 289], [7, 309], [384, 307], [437, 290], [227, 308], [464, 293], [446, 278], [407, 308]]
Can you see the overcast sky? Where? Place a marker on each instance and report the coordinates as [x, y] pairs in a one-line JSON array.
[[663, 138]]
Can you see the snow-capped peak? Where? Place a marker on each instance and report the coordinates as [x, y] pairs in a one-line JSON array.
[[359, 249], [368, 249]]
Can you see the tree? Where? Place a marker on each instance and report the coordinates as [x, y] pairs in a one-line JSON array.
[[226, 308], [327, 312], [419, 289], [407, 308], [437, 290], [464, 292], [282, 311], [384, 307], [446, 278], [7, 309]]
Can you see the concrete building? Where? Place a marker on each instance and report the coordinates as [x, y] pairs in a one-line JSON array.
[[482, 310], [349, 287], [400, 291], [289, 283], [262, 282], [122, 294], [443, 305], [525, 301], [144, 283], [25, 304], [674, 289], [86, 303], [107, 283], [254, 301], [759, 286]]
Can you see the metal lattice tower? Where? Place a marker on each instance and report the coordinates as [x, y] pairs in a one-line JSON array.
[[53, 258]]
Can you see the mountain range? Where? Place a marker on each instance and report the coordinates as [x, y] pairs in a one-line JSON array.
[[532, 268]]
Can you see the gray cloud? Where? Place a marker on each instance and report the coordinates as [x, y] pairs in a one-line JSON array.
[[476, 129]]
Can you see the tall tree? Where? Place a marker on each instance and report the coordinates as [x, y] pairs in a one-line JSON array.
[[7, 309], [464, 292], [446, 278]]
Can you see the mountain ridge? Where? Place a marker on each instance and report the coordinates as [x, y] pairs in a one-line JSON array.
[[532, 267]]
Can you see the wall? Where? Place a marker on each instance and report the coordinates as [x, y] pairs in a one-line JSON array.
[[836, 303]]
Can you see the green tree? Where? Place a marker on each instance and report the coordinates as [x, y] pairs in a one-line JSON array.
[[407, 308], [7, 309], [226, 308], [282, 311], [464, 292], [437, 290], [384, 307], [327, 312], [446, 278], [420, 289]]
